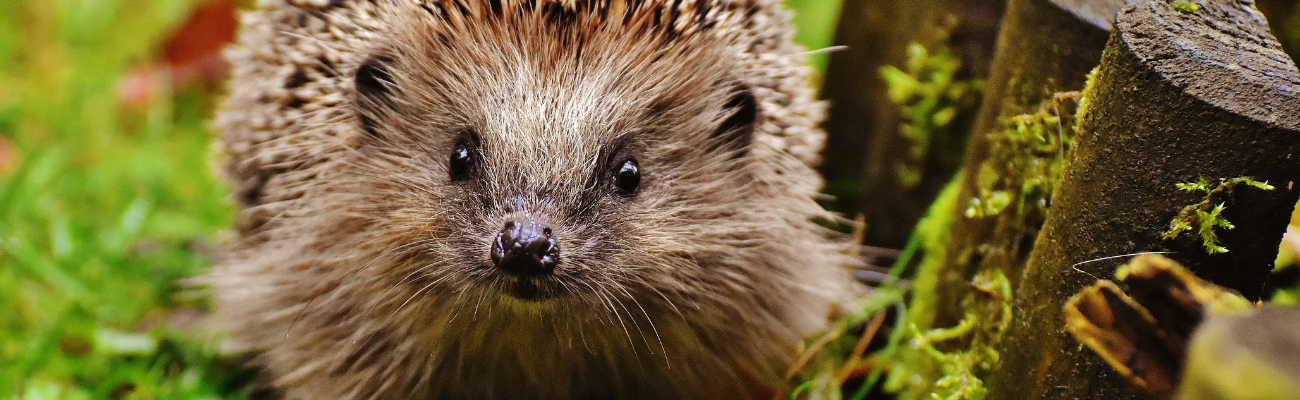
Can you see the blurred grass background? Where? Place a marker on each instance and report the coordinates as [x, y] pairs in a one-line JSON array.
[[108, 201], [105, 204]]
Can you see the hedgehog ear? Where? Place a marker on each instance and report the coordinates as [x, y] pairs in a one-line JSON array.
[[374, 90], [737, 131]]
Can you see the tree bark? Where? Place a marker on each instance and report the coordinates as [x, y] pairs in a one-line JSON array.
[[1179, 95], [864, 145]]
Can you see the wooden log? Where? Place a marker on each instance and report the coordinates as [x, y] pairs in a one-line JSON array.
[[964, 285], [1043, 49], [864, 147], [1181, 94]]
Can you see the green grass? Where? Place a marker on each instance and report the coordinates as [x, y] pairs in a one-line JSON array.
[[111, 206]]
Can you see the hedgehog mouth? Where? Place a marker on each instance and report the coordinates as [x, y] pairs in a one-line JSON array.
[[527, 289]]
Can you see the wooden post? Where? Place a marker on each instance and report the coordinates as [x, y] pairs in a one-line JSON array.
[[1043, 49], [1201, 90], [964, 286]]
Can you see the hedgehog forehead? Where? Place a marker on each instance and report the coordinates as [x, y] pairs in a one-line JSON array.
[[535, 136], [562, 123], [548, 97], [547, 44], [553, 133], [670, 17]]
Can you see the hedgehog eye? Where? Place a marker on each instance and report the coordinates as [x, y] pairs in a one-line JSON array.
[[628, 177], [461, 162]]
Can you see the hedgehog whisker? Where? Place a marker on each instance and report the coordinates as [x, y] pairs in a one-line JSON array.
[[631, 317], [403, 281], [626, 332], [317, 295], [582, 333], [592, 295], [494, 283], [830, 49], [661, 294], [390, 316], [460, 304], [654, 329]]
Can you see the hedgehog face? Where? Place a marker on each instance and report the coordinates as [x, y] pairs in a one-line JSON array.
[[543, 199], [541, 173]]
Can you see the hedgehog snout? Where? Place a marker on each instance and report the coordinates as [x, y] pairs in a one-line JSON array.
[[525, 248]]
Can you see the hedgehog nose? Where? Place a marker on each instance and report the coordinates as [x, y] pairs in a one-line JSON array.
[[525, 248]]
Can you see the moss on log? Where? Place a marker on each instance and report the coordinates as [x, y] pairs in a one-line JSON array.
[[1180, 95], [1042, 50], [1011, 165]]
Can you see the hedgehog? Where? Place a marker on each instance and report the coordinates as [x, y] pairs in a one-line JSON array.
[[538, 199]]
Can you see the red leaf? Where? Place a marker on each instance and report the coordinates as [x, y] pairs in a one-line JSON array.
[[195, 49]]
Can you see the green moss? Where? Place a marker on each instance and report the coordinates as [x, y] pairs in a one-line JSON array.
[[1205, 216], [1031, 148], [928, 242], [988, 315], [1185, 6], [930, 98], [989, 202], [929, 239], [1089, 83], [1013, 189]]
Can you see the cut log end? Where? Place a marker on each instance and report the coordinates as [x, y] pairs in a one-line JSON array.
[[1220, 52], [1099, 13]]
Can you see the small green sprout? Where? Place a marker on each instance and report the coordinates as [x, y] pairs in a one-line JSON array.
[[930, 98], [1204, 217], [991, 205]]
